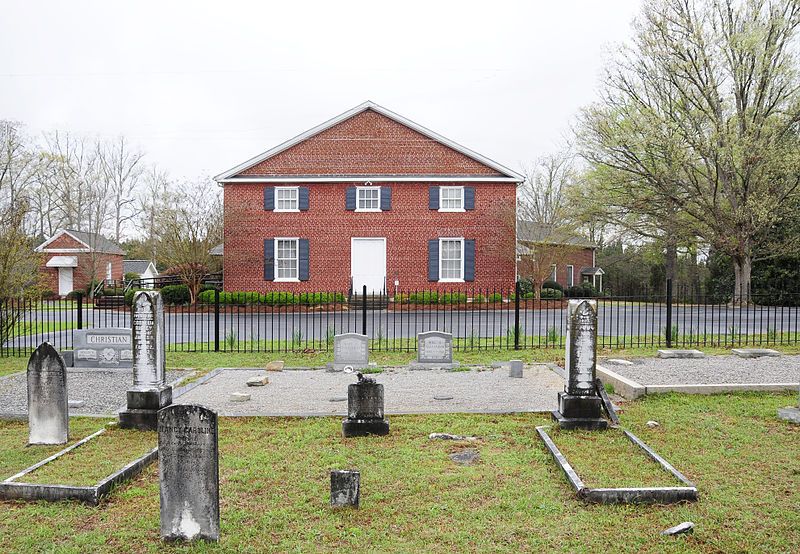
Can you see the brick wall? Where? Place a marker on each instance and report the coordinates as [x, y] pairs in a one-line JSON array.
[[329, 227]]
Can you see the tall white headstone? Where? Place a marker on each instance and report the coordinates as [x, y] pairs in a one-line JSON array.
[[48, 407]]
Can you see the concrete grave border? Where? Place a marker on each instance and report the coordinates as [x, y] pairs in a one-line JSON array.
[[627, 495], [10, 489]]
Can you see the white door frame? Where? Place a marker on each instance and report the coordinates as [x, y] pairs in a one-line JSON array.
[[66, 275], [357, 288]]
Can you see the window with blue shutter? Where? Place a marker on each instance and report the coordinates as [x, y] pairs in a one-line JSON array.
[[386, 199], [469, 198], [433, 198], [269, 199], [350, 199], [433, 260], [302, 272], [269, 259], [302, 198]]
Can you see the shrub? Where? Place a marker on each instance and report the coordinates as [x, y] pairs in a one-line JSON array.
[[131, 276], [73, 295], [453, 298], [495, 297], [206, 297], [175, 294], [525, 286], [427, 297], [551, 294], [478, 298], [552, 285], [583, 290]]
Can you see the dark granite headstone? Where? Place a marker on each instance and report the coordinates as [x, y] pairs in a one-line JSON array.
[[365, 409], [149, 393], [579, 406], [48, 408], [188, 473], [345, 488]]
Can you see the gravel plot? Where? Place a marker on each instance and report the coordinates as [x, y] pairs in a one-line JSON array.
[[310, 392], [103, 391], [710, 370]]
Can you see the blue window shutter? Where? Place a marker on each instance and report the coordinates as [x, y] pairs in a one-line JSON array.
[[433, 198], [302, 198], [350, 199], [269, 199], [386, 199], [269, 259], [302, 260], [433, 260], [469, 198], [469, 260]]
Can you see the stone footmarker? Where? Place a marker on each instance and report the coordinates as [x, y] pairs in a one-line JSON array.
[[755, 352], [188, 473], [465, 457], [77, 403], [449, 437], [680, 354], [680, 529], [345, 488], [618, 361], [239, 397], [258, 381], [515, 369], [48, 407], [275, 365]]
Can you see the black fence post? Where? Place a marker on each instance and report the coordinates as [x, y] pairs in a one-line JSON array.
[[79, 299], [216, 320], [516, 315], [669, 314], [364, 310]]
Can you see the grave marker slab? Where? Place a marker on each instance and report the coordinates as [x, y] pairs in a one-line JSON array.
[[515, 369], [149, 393], [579, 406], [48, 407], [345, 488], [680, 354], [188, 473], [106, 348], [350, 349], [365, 409], [434, 350], [791, 413], [755, 352]]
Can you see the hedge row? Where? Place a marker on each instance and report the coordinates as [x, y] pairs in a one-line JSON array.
[[273, 298]]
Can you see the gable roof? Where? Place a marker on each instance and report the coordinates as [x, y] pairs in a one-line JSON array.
[[532, 232], [91, 241], [507, 175], [137, 266]]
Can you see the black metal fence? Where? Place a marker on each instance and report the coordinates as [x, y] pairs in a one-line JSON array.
[[478, 320]]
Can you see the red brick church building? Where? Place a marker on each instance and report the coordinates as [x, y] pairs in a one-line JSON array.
[[369, 198]]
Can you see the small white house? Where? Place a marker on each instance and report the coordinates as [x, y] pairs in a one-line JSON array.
[[143, 268]]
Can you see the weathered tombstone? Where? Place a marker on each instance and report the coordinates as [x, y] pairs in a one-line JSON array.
[[350, 349], [434, 350], [755, 352], [579, 406], [515, 369], [106, 348], [365, 409], [345, 488], [680, 354], [188, 473], [149, 393], [790, 413], [48, 408]]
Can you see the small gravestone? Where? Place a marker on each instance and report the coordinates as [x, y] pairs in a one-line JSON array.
[[579, 406], [680, 354], [515, 369], [188, 473], [239, 397], [149, 393], [434, 350], [258, 381], [105, 348], [755, 352], [680, 529], [619, 361], [48, 408], [365, 409], [465, 457], [350, 349], [790, 413], [345, 488], [275, 365]]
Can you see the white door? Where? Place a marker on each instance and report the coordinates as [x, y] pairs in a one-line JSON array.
[[64, 281], [368, 264]]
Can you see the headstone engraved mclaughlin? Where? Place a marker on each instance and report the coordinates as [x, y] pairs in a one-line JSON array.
[[188, 472], [149, 393], [579, 406], [48, 408]]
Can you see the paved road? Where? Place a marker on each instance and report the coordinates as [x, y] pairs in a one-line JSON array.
[[614, 321]]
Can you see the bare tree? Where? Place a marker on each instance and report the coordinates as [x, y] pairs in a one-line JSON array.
[[18, 162], [153, 198], [122, 169]]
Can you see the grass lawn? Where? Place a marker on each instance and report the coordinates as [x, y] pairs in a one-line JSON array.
[[275, 487]]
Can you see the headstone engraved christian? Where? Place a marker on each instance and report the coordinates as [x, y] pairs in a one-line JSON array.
[[106, 348], [350, 349], [188, 473], [579, 406], [149, 393], [365, 409], [48, 408], [434, 349]]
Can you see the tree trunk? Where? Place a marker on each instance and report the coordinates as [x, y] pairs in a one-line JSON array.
[[694, 275], [742, 267], [670, 259]]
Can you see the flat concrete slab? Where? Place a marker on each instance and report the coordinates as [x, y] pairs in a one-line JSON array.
[[309, 392], [754, 352], [790, 414], [680, 354]]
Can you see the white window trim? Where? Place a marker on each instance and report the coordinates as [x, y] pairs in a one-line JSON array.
[[275, 261], [451, 280], [570, 275], [297, 196], [461, 209], [553, 273], [359, 189]]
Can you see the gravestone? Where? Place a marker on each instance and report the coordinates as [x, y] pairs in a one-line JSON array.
[[515, 369], [350, 349], [434, 350], [791, 413], [188, 473], [106, 348], [755, 352], [345, 488], [579, 406], [365, 409], [149, 393], [48, 408], [668, 354]]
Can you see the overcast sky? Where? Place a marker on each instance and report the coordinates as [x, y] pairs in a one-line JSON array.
[[201, 87]]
